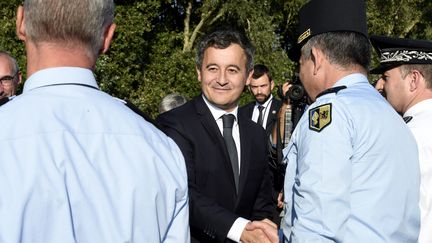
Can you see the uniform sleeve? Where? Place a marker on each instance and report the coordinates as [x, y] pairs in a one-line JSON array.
[[321, 186], [179, 230]]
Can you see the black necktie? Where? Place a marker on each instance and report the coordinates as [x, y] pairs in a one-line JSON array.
[[228, 121], [260, 116]]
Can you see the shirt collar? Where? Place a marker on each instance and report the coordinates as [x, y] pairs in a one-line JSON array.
[[351, 79], [418, 108], [60, 75], [265, 103], [217, 112]]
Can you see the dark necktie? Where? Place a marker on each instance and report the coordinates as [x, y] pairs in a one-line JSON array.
[[260, 116], [228, 121]]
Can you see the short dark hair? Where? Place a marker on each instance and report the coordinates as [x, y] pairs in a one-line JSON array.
[[341, 48], [260, 70], [221, 39]]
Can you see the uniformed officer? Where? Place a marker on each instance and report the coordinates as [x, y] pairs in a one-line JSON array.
[[76, 164], [406, 73], [350, 177]]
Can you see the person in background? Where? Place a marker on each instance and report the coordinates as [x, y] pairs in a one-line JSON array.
[[265, 107], [10, 77], [170, 102], [350, 177], [264, 112], [229, 182], [76, 164], [406, 77]]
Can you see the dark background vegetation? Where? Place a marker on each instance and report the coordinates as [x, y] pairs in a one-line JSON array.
[[152, 54]]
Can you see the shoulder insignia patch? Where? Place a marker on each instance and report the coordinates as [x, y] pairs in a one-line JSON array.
[[320, 117]]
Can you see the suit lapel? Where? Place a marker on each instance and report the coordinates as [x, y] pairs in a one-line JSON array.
[[210, 125], [272, 116], [249, 109]]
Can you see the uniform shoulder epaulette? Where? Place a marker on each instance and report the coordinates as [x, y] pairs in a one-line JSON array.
[[332, 90], [4, 100]]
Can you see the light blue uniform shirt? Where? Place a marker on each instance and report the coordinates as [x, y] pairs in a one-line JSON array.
[[355, 180], [76, 165]]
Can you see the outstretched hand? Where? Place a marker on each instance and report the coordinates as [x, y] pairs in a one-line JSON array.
[[264, 231]]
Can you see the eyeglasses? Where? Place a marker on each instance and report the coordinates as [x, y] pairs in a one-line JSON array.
[[7, 80]]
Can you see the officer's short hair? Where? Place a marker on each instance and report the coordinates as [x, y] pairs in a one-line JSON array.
[[424, 69], [69, 21], [341, 48]]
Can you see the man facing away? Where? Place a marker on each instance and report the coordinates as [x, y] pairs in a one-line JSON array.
[[76, 164], [350, 177], [228, 176], [10, 77], [406, 78]]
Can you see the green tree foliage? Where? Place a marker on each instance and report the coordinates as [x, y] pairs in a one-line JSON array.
[[8, 40], [153, 51]]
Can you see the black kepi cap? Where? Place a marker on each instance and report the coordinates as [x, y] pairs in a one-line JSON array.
[[394, 52], [321, 16]]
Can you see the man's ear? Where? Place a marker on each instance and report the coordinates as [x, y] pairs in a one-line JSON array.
[[249, 78], [316, 58], [271, 84], [108, 36], [20, 26], [198, 73], [415, 80], [19, 78]]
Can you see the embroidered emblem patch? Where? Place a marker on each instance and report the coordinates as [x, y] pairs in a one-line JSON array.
[[320, 117]]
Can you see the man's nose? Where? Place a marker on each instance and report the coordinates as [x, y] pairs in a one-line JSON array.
[[222, 79]]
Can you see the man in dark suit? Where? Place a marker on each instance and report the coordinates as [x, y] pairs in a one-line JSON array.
[[264, 111], [229, 182], [265, 107]]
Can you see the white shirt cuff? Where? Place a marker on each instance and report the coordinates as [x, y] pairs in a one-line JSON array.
[[237, 229]]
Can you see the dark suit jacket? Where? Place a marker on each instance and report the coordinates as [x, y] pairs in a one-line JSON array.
[[214, 204], [272, 116]]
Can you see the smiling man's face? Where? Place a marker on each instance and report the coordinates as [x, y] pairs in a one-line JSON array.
[[223, 75]]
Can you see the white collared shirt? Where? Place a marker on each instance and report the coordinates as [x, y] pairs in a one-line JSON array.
[[237, 228], [419, 125], [217, 114], [266, 111]]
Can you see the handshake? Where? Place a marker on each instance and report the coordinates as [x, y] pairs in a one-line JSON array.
[[263, 231]]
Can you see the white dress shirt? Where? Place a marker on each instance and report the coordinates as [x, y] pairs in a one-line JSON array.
[[266, 111], [421, 114]]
